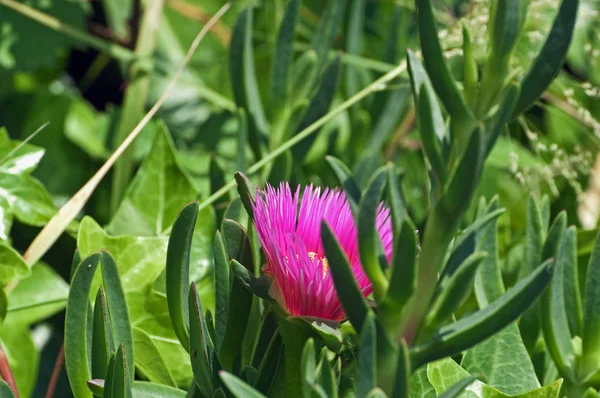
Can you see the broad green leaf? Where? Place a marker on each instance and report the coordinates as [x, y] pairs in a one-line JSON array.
[[502, 362], [244, 80], [369, 244], [38, 296], [238, 388], [178, 269], [26, 199], [28, 45], [22, 354], [76, 352], [350, 296], [457, 388], [282, 59], [366, 369], [157, 193], [88, 128], [148, 353], [12, 265], [118, 14], [591, 315], [420, 386], [550, 59], [18, 158], [475, 328], [444, 374]]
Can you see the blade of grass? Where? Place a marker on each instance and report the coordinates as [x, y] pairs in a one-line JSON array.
[[378, 85], [57, 225]]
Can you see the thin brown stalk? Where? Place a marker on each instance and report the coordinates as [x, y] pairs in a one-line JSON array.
[[57, 225], [219, 29], [58, 365]]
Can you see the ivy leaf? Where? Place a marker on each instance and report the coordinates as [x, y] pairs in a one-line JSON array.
[[12, 265], [157, 193], [503, 362], [445, 373], [38, 296], [28, 45], [22, 354]]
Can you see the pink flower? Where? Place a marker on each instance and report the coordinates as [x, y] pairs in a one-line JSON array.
[[291, 239]]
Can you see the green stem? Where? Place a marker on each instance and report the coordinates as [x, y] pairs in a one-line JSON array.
[[294, 334], [121, 53], [377, 85], [135, 97]]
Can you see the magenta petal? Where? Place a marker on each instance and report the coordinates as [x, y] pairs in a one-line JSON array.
[[290, 237]]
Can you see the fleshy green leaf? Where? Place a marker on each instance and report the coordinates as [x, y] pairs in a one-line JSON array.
[[270, 364], [403, 277], [76, 352], [102, 341], [454, 291], [550, 59], [238, 388], [178, 270], [366, 369], [344, 176], [437, 67], [457, 388], [591, 315], [369, 244], [201, 346], [350, 296], [555, 324], [282, 59], [222, 282], [141, 389], [243, 79], [489, 285], [474, 328], [247, 192]]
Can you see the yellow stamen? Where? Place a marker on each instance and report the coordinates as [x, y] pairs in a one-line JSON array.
[[324, 262]]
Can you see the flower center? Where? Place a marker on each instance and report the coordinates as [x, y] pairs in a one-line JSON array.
[[323, 260]]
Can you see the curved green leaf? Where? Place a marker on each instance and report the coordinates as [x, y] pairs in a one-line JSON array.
[[178, 269]]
